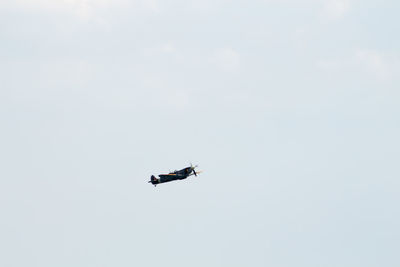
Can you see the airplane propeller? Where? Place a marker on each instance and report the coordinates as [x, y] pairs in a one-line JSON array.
[[193, 169]]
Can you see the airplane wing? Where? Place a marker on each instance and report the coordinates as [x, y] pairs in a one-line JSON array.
[[167, 175]]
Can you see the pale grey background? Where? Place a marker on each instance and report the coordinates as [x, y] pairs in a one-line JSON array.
[[291, 108]]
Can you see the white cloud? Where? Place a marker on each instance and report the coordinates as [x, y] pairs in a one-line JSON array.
[[227, 59], [335, 9], [152, 5], [331, 64], [377, 63], [77, 5], [165, 48], [84, 9]]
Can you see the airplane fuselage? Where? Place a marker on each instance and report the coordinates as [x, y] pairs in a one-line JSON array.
[[172, 176]]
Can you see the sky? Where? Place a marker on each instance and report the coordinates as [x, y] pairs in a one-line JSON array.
[[290, 109]]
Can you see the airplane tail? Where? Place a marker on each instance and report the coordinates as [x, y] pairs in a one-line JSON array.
[[153, 180]]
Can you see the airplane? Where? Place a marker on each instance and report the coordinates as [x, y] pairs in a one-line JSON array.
[[175, 175]]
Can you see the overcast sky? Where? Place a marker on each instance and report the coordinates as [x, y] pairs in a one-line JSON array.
[[291, 109]]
